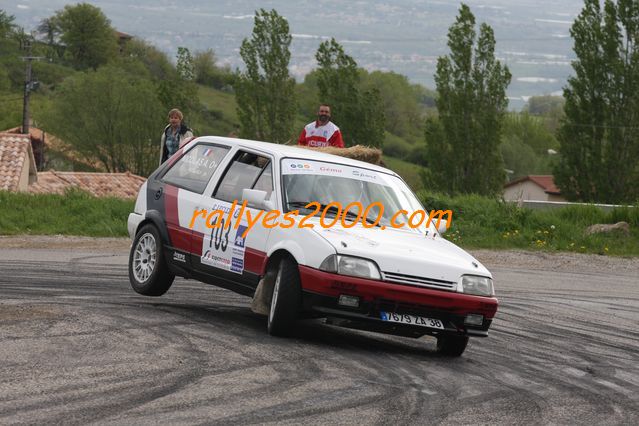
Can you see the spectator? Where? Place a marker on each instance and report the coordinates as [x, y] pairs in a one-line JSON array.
[[174, 136], [322, 132]]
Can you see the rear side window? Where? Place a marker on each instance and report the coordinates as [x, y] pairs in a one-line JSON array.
[[194, 170], [244, 172]]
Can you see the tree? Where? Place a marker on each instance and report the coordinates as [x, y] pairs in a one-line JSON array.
[[184, 65], [265, 91], [49, 28], [208, 73], [463, 142], [6, 24], [360, 115], [156, 61], [109, 116], [599, 137], [85, 30]]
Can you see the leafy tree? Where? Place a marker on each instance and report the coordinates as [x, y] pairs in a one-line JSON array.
[[400, 99], [156, 61], [549, 108], [49, 30], [599, 137], [179, 90], [109, 116], [208, 73], [531, 131], [265, 91], [545, 105], [6, 24], [463, 142], [525, 145], [24, 39], [184, 65], [360, 115], [85, 30]]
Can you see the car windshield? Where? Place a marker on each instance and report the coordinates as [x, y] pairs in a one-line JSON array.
[[307, 181]]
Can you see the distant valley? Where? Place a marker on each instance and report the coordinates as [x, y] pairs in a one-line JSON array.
[[405, 36]]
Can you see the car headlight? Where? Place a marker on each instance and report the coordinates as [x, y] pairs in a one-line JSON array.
[[349, 265], [473, 284]]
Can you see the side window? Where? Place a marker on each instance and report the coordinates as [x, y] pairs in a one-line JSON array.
[[245, 171], [195, 168]]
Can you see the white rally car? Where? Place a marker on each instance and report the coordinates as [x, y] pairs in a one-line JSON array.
[[189, 221]]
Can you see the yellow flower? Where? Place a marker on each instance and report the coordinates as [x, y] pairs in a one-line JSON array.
[[606, 249]]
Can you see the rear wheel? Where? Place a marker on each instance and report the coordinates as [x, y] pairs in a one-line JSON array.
[[451, 345], [286, 300], [148, 272]]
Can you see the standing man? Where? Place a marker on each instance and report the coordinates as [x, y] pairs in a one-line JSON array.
[[175, 134], [322, 132]]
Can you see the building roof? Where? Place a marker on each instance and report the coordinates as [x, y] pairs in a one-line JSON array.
[[56, 144], [120, 185], [545, 182], [15, 154], [34, 132]]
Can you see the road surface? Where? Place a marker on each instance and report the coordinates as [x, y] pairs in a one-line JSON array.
[[77, 345]]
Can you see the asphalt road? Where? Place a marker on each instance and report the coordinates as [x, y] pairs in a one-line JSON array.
[[77, 345]]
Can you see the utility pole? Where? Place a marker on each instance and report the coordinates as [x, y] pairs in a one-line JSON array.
[[28, 87]]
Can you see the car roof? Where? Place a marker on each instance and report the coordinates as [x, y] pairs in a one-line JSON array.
[[287, 151]]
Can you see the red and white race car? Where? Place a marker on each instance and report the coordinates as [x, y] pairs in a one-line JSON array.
[[195, 217]]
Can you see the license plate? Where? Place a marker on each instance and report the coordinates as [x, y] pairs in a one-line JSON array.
[[412, 320]]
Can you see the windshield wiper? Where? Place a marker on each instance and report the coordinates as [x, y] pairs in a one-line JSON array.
[[331, 209]]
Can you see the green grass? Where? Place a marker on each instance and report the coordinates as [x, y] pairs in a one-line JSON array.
[[222, 118], [75, 213], [478, 222], [481, 222], [408, 171]]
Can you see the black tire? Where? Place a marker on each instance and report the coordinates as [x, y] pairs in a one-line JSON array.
[[149, 280], [450, 345], [286, 300]]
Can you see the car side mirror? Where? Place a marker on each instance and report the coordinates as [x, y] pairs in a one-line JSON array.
[[256, 199]]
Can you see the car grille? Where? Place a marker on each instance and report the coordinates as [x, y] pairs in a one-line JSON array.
[[418, 281]]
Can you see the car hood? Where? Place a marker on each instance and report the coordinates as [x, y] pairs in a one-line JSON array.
[[405, 252]]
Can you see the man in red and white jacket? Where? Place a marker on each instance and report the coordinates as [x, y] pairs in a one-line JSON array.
[[322, 132]]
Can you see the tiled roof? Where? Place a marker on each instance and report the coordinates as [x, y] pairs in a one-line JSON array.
[[546, 182], [121, 185], [15, 154]]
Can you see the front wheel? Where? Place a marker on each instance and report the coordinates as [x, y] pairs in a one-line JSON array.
[[286, 300], [148, 272], [451, 345]]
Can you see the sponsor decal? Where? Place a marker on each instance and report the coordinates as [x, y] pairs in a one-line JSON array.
[[179, 257], [330, 170], [364, 175], [239, 237], [223, 247]]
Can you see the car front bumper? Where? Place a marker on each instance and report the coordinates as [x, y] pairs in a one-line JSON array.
[[322, 290]]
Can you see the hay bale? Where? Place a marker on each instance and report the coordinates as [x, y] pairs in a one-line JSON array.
[[357, 152]]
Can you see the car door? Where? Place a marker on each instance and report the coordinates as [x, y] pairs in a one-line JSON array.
[[183, 185], [228, 251]]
